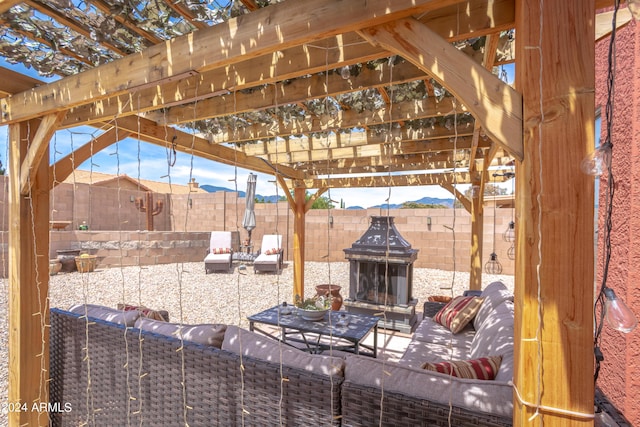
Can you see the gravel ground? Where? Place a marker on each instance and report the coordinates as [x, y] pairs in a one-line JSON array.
[[191, 296]]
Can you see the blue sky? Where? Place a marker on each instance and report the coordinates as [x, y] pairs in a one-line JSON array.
[[147, 161]]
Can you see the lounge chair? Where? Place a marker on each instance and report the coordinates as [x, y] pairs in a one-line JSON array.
[[270, 258], [219, 256]]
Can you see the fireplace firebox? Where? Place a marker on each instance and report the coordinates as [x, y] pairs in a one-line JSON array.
[[381, 275]]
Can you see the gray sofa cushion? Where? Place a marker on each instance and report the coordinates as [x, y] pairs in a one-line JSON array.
[[419, 352], [430, 331], [495, 338], [494, 294], [126, 318], [205, 334], [494, 397], [241, 341]]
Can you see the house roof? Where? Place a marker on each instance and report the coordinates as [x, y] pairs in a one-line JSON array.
[[99, 178]]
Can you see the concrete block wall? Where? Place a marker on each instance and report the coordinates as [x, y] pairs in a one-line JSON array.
[[182, 229]]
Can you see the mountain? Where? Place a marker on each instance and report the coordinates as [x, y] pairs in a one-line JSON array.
[[273, 199], [424, 201]]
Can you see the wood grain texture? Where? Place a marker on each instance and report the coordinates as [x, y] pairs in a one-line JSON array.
[[554, 215]]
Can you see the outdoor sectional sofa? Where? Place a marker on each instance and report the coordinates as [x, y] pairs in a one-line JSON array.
[[137, 371]]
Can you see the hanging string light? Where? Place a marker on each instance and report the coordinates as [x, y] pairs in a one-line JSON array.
[[607, 305]]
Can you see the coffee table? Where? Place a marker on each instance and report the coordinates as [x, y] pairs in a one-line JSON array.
[[340, 330]]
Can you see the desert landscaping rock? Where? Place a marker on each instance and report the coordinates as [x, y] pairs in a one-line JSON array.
[[191, 296]]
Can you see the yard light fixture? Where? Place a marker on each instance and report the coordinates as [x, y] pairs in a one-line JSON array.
[[509, 234], [493, 266], [617, 314]]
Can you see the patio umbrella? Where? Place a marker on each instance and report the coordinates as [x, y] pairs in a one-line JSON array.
[[249, 221]]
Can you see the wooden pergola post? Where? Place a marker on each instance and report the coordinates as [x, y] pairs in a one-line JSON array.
[[28, 281], [477, 229], [553, 376], [299, 215]]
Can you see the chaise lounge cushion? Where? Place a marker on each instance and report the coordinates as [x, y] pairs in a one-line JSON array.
[[121, 317], [494, 397], [205, 334], [247, 343]]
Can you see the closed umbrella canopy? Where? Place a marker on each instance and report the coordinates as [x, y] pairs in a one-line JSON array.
[[249, 221]]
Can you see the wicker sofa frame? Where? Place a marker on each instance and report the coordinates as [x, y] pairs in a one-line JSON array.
[[136, 377], [131, 377]]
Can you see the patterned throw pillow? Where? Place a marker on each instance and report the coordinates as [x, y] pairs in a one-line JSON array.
[[458, 312], [483, 368], [161, 315], [272, 251], [218, 251]]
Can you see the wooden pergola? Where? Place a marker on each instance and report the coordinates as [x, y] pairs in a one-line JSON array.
[[309, 92]]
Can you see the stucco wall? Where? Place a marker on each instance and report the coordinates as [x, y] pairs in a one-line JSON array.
[[618, 375]]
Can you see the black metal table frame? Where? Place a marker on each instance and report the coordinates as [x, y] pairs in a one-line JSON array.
[[307, 327]]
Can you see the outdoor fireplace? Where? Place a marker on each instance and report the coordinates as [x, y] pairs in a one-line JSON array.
[[381, 274]]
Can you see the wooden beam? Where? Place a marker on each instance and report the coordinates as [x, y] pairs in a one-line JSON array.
[[554, 292], [345, 49], [390, 181], [494, 103], [263, 31], [8, 4], [315, 196], [28, 285], [299, 194], [127, 22], [605, 19], [290, 92], [153, 133], [353, 139], [38, 147], [401, 111], [464, 200], [71, 23], [60, 170], [373, 150]]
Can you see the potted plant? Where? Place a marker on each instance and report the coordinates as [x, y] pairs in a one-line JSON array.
[[313, 308]]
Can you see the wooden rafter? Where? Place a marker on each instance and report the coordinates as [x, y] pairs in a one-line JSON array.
[[500, 106], [409, 110], [38, 149], [353, 139], [371, 150], [60, 170], [390, 181], [151, 132], [48, 43], [296, 26], [71, 23], [126, 22]]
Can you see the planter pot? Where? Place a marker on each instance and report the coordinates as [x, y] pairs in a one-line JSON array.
[[54, 267], [334, 292], [68, 259], [86, 263]]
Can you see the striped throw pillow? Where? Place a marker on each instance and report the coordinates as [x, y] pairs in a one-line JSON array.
[[272, 251], [458, 312], [218, 251], [483, 368]]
